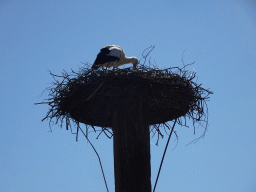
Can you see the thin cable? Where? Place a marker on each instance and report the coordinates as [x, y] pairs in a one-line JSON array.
[[164, 154], [98, 157]]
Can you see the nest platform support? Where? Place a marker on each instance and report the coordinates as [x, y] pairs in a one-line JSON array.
[[131, 150]]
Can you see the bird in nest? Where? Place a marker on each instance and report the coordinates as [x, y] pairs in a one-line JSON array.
[[113, 56]]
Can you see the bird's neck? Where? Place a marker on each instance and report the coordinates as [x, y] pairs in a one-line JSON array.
[[128, 60]]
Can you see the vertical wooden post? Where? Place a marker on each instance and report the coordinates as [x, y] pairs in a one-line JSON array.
[[131, 151]]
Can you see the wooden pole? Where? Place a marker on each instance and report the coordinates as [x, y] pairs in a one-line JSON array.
[[131, 151]]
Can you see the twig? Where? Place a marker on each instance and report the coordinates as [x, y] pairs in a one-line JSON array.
[[95, 90]]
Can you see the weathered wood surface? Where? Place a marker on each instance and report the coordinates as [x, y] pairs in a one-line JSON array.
[[132, 165]]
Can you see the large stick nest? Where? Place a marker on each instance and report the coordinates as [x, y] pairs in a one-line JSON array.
[[92, 97]]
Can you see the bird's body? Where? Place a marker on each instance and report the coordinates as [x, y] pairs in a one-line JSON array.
[[113, 56]]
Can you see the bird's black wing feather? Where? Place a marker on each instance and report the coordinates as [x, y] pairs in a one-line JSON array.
[[103, 58]]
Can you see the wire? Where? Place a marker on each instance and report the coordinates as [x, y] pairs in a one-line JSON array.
[[98, 157], [164, 154]]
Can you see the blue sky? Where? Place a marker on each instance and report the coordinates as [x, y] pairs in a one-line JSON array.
[[36, 36]]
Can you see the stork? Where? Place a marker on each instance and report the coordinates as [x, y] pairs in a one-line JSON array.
[[113, 56]]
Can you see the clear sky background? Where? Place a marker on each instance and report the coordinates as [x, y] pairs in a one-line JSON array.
[[36, 36]]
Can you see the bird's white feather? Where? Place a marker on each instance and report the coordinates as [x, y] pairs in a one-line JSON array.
[[116, 52]]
